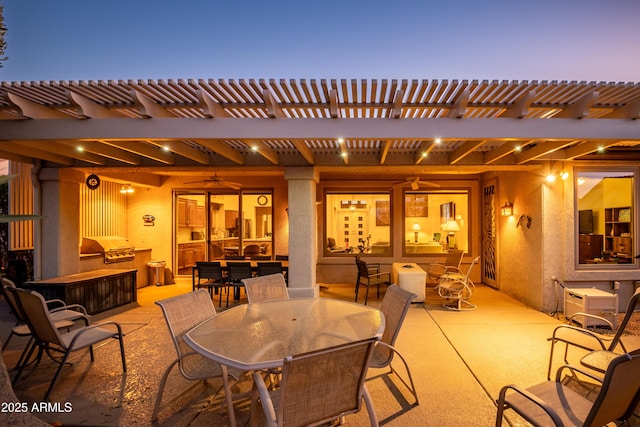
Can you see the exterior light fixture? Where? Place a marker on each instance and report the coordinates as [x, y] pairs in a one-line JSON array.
[[551, 178], [506, 209], [416, 229], [564, 175], [126, 189]]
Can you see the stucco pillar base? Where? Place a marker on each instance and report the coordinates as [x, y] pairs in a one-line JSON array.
[[304, 292]]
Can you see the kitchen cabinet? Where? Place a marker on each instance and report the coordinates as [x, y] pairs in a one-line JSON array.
[[189, 254], [190, 214]]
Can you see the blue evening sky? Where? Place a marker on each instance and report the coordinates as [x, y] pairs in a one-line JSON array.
[[429, 39]]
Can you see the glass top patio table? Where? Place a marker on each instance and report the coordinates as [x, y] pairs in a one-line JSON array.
[[260, 335]]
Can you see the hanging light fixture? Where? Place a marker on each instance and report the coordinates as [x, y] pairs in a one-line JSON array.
[[507, 209]]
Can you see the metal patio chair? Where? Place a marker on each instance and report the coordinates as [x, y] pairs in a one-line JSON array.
[[602, 348], [266, 268], [457, 286], [265, 288], [370, 275], [236, 271], [210, 276], [50, 340], [435, 271], [63, 316], [554, 403], [182, 313], [395, 304], [317, 387]]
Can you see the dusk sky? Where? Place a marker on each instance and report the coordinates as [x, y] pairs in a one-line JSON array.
[[161, 39]]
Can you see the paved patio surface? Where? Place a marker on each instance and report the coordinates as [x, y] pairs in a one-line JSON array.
[[459, 361]]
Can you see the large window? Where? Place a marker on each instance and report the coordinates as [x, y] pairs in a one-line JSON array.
[[435, 221], [358, 223], [605, 217]]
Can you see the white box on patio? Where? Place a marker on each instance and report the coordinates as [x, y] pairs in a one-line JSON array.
[[592, 301]]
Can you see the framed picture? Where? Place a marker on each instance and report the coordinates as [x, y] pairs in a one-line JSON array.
[[447, 211], [415, 205], [436, 237], [382, 213]]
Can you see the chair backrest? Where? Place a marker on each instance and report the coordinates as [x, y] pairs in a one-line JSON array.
[[269, 267], [331, 242], [33, 308], [454, 258], [266, 288], [183, 312], [237, 271], [395, 304], [261, 257], [10, 298], [323, 385], [474, 262], [208, 270], [620, 391], [236, 257], [363, 270], [282, 257], [251, 250], [633, 302]]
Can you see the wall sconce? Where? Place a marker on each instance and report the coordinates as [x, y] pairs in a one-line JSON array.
[[126, 189], [507, 209], [416, 228]]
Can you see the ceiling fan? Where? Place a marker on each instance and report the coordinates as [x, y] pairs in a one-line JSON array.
[[216, 180], [415, 183]]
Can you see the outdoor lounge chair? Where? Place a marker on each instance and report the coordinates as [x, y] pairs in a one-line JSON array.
[[435, 271], [457, 286], [265, 288], [602, 348], [395, 304], [63, 316], [49, 339], [317, 387], [370, 275], [554, 403], [182, 313]]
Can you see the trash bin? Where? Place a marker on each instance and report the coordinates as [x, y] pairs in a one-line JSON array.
[[156, 272]]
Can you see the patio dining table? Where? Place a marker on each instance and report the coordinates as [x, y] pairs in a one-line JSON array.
[[223, 264], [260, 335]]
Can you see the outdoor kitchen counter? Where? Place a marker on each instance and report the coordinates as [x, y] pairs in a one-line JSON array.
[[93, 262], [97, 290]]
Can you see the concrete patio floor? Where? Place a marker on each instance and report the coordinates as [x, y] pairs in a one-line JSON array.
[[459, 361]]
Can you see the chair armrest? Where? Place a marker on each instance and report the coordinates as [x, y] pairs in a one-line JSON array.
[[55, 301], [559, 330], [577, 369], [592, 316], [531, 397], [75, 307], [384, 273]]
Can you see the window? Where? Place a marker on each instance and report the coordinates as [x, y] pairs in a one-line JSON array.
[[435, 221], [605, 217], [358, 223]]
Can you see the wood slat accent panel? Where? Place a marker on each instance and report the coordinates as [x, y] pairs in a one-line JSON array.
[[20, 203], [103, 212]]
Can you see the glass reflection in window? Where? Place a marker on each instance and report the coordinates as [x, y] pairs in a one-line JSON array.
[[605, 217], [358, 223]]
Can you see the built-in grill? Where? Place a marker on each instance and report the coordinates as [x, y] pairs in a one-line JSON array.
[[114, 248]]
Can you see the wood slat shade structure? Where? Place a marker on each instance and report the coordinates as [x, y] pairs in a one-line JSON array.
[[462, 126]]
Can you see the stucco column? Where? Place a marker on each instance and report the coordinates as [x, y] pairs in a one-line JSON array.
[[303, 237], [60, 222]]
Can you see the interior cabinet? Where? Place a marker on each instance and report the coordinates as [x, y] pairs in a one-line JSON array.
[[190, 214], [618, 229], [590, 247], [189, 254]]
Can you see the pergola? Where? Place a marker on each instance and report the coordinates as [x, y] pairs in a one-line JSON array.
[[419, 126]]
